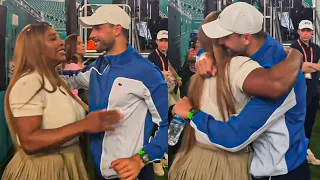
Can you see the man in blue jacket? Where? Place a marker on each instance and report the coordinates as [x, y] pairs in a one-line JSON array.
[[122, 79], [274, 127]]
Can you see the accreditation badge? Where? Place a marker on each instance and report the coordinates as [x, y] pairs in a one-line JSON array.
[[307, 75]]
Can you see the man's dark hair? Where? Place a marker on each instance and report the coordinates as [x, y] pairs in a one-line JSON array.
[[124, 31], [258, 35]]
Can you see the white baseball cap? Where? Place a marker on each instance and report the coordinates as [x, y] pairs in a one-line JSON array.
[[240, 18], [111, 14], [306, 24], [163, 34]]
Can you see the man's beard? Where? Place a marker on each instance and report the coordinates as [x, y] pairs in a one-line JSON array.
[[105, 46], [233, 53]]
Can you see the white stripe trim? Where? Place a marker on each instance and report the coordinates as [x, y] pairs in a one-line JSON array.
[[79, 81], [288, 103]]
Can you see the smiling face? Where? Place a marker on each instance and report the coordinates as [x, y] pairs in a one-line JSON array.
[[105, 36], [53, 50]]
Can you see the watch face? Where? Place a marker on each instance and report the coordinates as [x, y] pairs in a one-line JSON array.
[[145, 158], [193, 110]]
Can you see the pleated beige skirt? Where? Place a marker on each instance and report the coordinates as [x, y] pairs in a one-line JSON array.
[[205, 163], [63, 164]]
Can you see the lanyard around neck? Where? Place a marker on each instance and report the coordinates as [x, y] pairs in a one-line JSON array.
[[162, 61], [305, 53]]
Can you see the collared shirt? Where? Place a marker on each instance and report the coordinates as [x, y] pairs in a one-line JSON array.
[[313, 83], [155, 59], [274, 127]]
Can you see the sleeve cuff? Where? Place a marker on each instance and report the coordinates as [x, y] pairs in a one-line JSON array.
[[151, 152], [199, 116]]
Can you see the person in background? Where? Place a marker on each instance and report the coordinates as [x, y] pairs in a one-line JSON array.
[[310, 68], [160, 59], [192, 55], [91, 45], [43, 116], [74, 49], [189, 67], [159, 56]]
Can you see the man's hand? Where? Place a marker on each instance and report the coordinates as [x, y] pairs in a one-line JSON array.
[[205, 65], [165, 74], [287, 50], [127, 168], [179, 82], [308, 68], [315, 66], [182, 108]]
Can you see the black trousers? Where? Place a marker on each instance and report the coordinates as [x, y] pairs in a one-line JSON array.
[[302, 172], [146, 173], [312, 107]]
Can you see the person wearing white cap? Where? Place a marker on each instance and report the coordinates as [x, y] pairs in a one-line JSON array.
[[274, 127], [159, 57], [310, 68], [122, 79]]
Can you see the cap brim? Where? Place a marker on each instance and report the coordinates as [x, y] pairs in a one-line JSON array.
[[90, 21], [306, 27], [164, 37], [214, 30]]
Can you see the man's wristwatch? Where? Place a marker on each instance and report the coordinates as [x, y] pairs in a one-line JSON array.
[[144, 157], [192, 113]]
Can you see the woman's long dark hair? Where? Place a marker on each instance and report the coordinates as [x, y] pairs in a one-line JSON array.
[[28, 58], [70, 45]]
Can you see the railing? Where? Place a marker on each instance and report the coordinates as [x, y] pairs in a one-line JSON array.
[[23, 4], [135, 39], [180, 9], [316, 24], [93, 53], [276, 25]]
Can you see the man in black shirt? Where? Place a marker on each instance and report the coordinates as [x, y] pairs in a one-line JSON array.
[[310, 68], [159, 56]]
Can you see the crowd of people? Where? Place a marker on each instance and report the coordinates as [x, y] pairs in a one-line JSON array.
[[249, 104]]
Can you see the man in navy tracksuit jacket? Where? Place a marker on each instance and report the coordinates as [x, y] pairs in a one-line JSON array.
[[122, 79], [274, 127]]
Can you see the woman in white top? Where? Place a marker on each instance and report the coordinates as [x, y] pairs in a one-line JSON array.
[[44, 117], [220, 96]]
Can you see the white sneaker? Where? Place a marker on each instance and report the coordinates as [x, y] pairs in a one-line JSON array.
[[158, 169], [311, 158]]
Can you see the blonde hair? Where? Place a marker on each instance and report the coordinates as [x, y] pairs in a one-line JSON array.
[[225, 98], [28, 58]]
